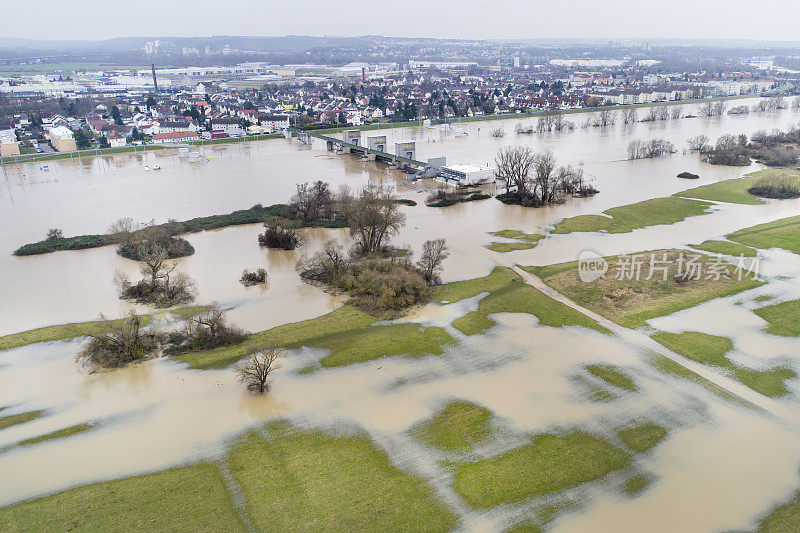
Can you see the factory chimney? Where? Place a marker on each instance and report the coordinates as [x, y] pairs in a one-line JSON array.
[[155, 82]]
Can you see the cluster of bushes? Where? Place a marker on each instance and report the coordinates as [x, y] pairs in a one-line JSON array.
[[119, 342], [279, 233], [444, 197], [160, 286], [781, 187], [639, 149], [777, 148], [380, 284], [205, 331], [253, 277]]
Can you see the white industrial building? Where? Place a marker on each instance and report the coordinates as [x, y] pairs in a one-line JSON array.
[[466, 174]]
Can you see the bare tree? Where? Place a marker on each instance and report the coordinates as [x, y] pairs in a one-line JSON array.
[[630, 115], [544, 184], [430, 263], [123, 230], [605, 118], [707, 109], [513, 166], [374, 218], [498, 132], [157, 265], [662, 112], [114, 343], [652, 114], [256, 368], [699, 143], [677, 111]]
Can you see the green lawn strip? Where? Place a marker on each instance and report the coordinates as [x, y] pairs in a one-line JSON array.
[[347, 332], [711, 350], [505, 247], [57, 434], [188, 498], [784, 518], [550, 463], [783, 318], [725, 248], [57, 333], [635, 485], [612, 375], [623, 219], [458, 425], [642, 437], [783, 233], [733, 191], [287, 336], [670, 367], [311, 481], [631, 302], [519, 297], [459, 290], [19, 418], [373, 342]]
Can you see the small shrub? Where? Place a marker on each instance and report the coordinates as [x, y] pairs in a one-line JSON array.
[[253, 277], [278, 234], [54, 233], [776, 187], [119, 342], [205, 331]]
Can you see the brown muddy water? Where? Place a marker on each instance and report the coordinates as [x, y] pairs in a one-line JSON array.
[[721, 466]]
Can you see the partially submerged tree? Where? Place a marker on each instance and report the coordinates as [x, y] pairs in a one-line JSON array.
[[160, 285], [434, 253], [253, 277], [374, 217], [279, 233], [513, 165], [54, 233], [254, 371]]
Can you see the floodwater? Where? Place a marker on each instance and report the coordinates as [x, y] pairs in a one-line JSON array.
[[721, 467]]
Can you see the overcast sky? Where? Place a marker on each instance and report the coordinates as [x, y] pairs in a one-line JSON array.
[[475, 19]]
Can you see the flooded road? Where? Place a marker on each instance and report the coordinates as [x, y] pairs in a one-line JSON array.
[[722, 465]]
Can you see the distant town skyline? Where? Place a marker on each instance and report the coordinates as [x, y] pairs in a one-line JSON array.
[[467, 19]]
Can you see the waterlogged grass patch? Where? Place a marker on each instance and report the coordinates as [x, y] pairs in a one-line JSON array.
[[550, 463], [19, 418], [783, 233], [711, 350], [627, 218], [726, 248], [366, 344], [58, 434], [525, 241], [312, 481], [783, 318], [641, 438], [459, 290], [189, 498], [458, 425], [636, 485], [519, 297], [613, 376], [626, 295], [784, 518]]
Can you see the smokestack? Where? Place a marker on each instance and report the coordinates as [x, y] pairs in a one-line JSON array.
[[155, 82], [363, 74]]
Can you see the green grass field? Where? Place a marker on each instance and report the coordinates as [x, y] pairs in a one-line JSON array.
[[627, 218], [525, 241], [519, 297], [725, 248], [783, 318], [733, 191], [631, 302], [550, 463], [613, 376], [457, 425], [505, 247], [712, 350], [19, 418], [189, 498], [459, 290], [299, 481], [783, 233]]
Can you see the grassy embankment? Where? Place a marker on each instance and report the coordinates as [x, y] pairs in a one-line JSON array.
[[19, 418], [291, 480], [725, 248], [62, 433], [631, 302], [712, 350], [783, 233], [525, 241], [254, 215], [81, 329], [627, 218]]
